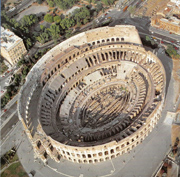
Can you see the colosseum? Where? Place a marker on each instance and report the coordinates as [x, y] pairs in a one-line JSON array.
[[93, 97]]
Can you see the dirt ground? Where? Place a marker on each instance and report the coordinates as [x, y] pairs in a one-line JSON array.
[[15, 170], [150, 7]]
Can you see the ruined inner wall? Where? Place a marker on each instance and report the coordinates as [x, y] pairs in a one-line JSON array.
[[93, 97]]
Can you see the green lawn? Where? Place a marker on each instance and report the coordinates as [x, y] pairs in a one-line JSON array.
[[15, 170]]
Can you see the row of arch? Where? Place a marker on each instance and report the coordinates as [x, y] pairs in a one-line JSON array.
[[68, 58], [108, 153], [108, 40]]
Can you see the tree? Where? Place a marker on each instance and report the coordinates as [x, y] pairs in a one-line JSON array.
[[67, 23], [29, 20], [17, 79], [24, 29], [89, 1], [6, 26], [7, 96], [20, 62], [43, 37], [28, 43], [39, 1], [85, 21], [108, 2], [82, 15], [68, 34], [16, 25], [55, 31], [57, 19], [65, 4], [49, 18], [94, 1], [42, 27], [25, 70], [50, 3], [95, 14], [148, 38], [172, 52]]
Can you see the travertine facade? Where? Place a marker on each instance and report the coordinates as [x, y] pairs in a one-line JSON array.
[[12, 46], [93, 97]]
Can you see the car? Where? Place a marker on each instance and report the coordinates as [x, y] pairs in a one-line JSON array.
[[172, 41], [105, 14], [176, 48], [162, 42], [5, 110]]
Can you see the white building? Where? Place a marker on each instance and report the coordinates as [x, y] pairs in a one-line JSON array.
[[12, 46]]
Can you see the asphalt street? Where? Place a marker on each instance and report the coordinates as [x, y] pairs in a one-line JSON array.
[[10, 123], [10, 110], [20, 7]]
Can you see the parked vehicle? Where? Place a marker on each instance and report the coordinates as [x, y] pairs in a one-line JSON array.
[[125, 9]]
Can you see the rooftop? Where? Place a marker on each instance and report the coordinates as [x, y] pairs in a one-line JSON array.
[[8, 38], [172, 20]]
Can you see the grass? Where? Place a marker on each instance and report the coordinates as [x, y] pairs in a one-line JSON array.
[[15, 170], [15, 158]]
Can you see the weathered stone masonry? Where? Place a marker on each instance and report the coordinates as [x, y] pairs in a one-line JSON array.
[[93, 97]]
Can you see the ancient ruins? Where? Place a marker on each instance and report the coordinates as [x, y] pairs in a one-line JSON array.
[[93, 97]]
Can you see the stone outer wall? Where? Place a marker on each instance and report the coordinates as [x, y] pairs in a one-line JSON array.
[[46, 146]]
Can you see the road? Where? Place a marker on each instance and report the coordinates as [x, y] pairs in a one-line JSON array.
[[20, 7], [9, 111], [4, 79], [10, 108], [8, 126]]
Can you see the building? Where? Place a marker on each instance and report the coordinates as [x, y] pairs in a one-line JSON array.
[[177, 2], [171, 24], [12, 46], [93, 97]]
